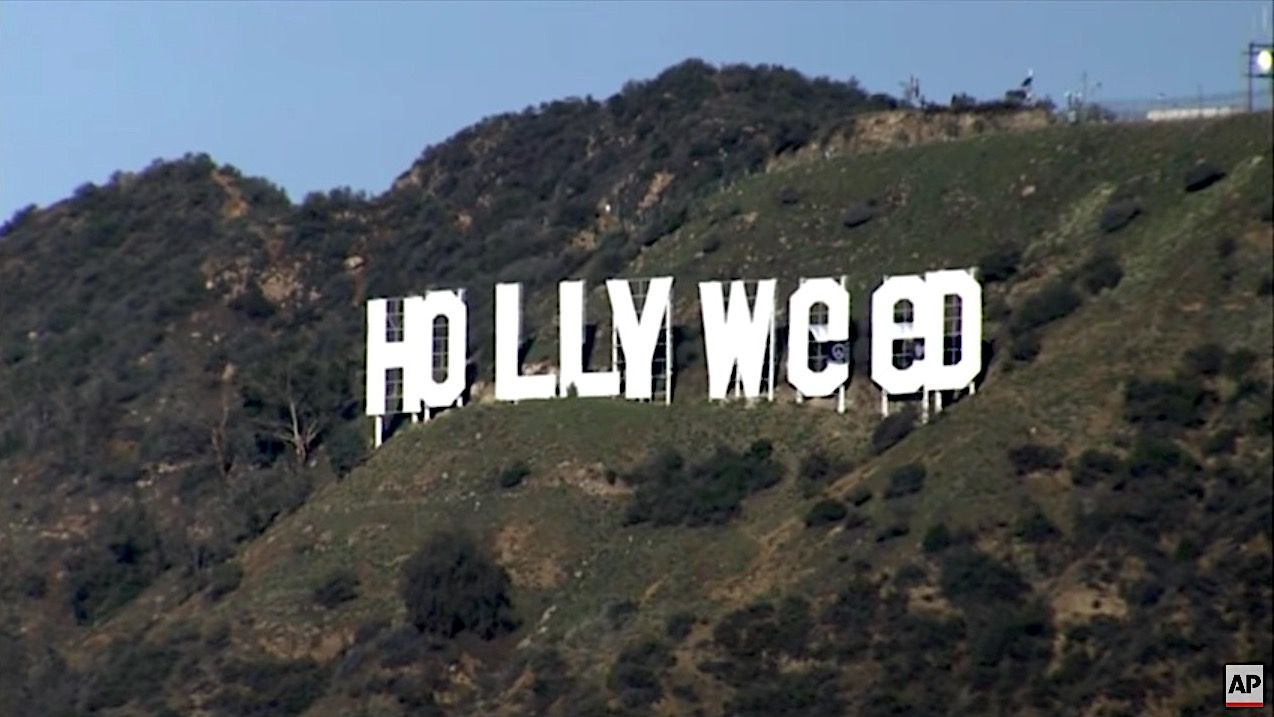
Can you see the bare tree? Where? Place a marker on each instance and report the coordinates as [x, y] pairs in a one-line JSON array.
[[295, 399]]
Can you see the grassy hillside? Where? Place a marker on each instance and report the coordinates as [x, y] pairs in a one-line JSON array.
[[157, 329], [1090, 533]]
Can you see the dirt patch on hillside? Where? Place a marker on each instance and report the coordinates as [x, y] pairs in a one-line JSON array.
[[1082, 603], [656, 188], [235, 206], [515, 547], [592, 479], [879, 131]]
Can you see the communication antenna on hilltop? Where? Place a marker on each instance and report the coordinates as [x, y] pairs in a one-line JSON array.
[[911, 91], [1077, 99]]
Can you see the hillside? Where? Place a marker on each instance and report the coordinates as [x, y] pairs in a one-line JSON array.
[[1092, 528]]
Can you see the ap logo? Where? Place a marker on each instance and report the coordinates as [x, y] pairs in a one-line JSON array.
[[1244, 686]]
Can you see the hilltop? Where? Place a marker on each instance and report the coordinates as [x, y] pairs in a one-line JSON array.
[[1092, 528]]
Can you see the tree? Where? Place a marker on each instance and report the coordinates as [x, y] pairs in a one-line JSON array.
[[450, 586], [293, 399]]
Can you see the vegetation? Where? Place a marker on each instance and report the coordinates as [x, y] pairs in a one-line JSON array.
[[450, 587], [185, 458], [711, 492]]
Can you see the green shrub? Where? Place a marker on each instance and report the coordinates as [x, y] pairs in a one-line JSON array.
[[1032, 457], [711, 492], [636, 675], [1119, 214], [512, 476], [858, 214], [973, 579], [1205, 359], [1238, 362], [253, 304], [337, 587], [859, 496], [1225, 247], [1221, 442], [619, 614], [1094, 466], [346, 447], [818, 468], [270, 687], [1025, 347], [905, 480], [131, 671], [1046, 305], [679, 625], [893, 530], [224, 579], [1036, 528], [937, 538], [1102, 271], [1155, 456], [892, 429], [1202, 176], [1001, 264], [1181, 404], [825, 511], [450, 586]]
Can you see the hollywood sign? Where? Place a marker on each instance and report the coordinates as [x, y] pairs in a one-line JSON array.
[[926, 338]]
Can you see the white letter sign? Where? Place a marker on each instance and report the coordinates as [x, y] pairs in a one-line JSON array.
[[737, 335], [816, 291], [510, 384]]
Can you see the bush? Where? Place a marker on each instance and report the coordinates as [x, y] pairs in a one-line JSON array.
[[937, 538], [679, 625], [339, 586], [858, 214], [711, 243], [1238, 362], [788, 195], [892, 429], [1000, 264], [253, 304], [346, 448], [1221, 442], [1049, 304], [1037, 528], [859, 496], [512, 476], [1202, 176], [1182, 403], [973, 579], [1093, 467], [818, 468], [1155, 456], [635, 676], [269, 687], [1118, 214], [895, 530], [1205, 359], [1032, 457], [1101, 271], [224, 579], [449, 586], [1025, 347], [708, 493], [825, 511], [1225, 247], [905, 480]]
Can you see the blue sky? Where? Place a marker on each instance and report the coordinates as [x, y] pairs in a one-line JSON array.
[[319, 95]]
